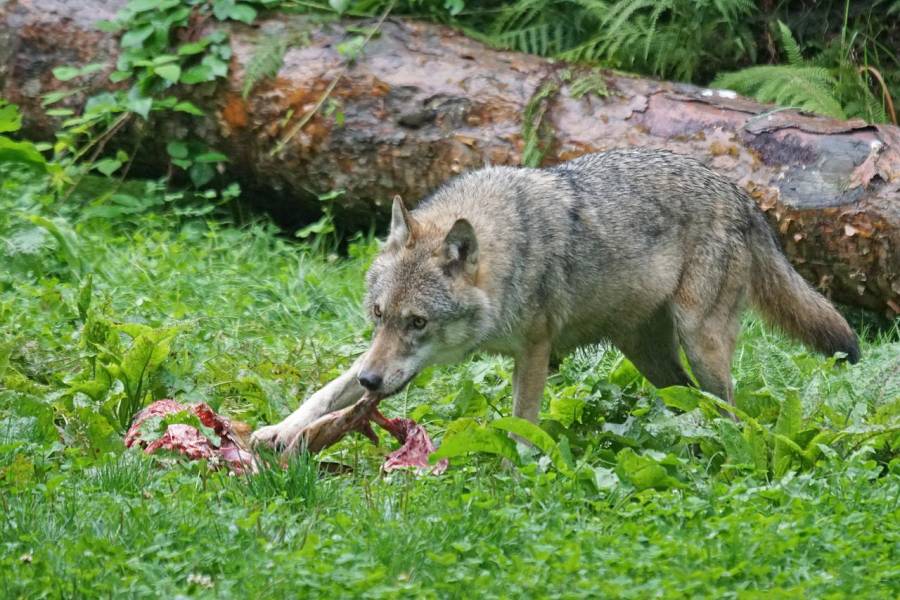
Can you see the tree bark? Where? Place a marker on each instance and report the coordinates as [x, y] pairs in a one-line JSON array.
[[423, 103]]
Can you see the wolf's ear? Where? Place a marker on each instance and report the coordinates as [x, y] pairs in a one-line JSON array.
[[461, 249], [403, 226]]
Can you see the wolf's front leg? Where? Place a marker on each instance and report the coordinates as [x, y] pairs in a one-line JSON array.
[[337, 394], [529, 378]]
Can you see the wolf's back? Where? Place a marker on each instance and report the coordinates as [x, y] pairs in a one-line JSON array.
[[694, 201]]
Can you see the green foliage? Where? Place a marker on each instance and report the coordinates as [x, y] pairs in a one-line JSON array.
[[677, 39], [796, 84], [805, 87], [696, 40], [465, 436], [196, 158], [788, 425], [628, 491], [537, 134], [162, 52], [588, 84], [643, 471], [680, 39], [830, 84], [18, 151], [321, 234], [109, 360], [266, 62]]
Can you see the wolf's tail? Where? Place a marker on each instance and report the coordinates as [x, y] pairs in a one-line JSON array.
[[787, 301]]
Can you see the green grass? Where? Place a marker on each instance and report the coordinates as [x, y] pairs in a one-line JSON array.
[[264, 321]]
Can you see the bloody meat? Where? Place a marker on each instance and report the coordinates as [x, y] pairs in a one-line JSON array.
[[189, 441], [331, 428]]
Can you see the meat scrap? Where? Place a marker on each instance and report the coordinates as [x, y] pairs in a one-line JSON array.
[[197, 432], [328, 429], [415, 449], [151, 431]]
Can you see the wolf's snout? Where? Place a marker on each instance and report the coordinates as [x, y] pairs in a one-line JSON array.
[[369, 380]]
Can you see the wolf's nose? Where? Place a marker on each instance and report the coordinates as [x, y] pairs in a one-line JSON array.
[[369, 380]]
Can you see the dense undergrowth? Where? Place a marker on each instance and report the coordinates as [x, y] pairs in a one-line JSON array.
[[115, 292], [628, 497]]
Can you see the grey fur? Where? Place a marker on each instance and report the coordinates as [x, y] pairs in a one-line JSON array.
[[645, 249]]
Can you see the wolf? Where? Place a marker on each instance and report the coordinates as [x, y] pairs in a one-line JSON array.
[[643, 249]]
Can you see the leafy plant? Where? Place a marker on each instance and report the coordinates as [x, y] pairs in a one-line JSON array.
[[829, 84], [110, 360], [796, 84], [162, 49], [23, 152], [266, 62], [629, 491], [680, 39]]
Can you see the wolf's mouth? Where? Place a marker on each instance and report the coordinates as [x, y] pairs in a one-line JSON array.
[[399, 387]]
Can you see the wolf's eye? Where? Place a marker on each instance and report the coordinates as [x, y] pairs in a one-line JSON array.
[[376, 310], [419, 322]]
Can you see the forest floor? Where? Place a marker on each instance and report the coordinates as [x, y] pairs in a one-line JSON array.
[[636, 500]]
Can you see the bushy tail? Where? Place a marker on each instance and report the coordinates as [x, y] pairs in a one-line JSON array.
[[787, 301]]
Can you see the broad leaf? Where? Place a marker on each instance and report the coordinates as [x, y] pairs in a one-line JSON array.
[[680, 397], [787, 425], [465, 436], [177, 149], [737, 448], [21, 152], [189, 108], [567, 406], [136, 37], [643, 472], [533, 434], [108, 166], [138, 103], [169, 72], [210, 157], [242, 12], [10, 119], [197, 74], [759, 450]]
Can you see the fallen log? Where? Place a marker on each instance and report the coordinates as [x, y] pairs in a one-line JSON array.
[[423, 103]]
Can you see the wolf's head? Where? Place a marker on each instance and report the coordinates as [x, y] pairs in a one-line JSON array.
[[422, 296]]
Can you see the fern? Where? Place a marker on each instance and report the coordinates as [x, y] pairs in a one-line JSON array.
[[804, 87], [537, 134], [266, 62], [790, 45], [680, 39], [695, 40], [592, 83], [541, 27], [543, 39], [829, 84]]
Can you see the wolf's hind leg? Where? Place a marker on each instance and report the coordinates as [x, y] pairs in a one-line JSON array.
[[709, 352], [653, 348], [708, 341], [707, 310], [529, 378]]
